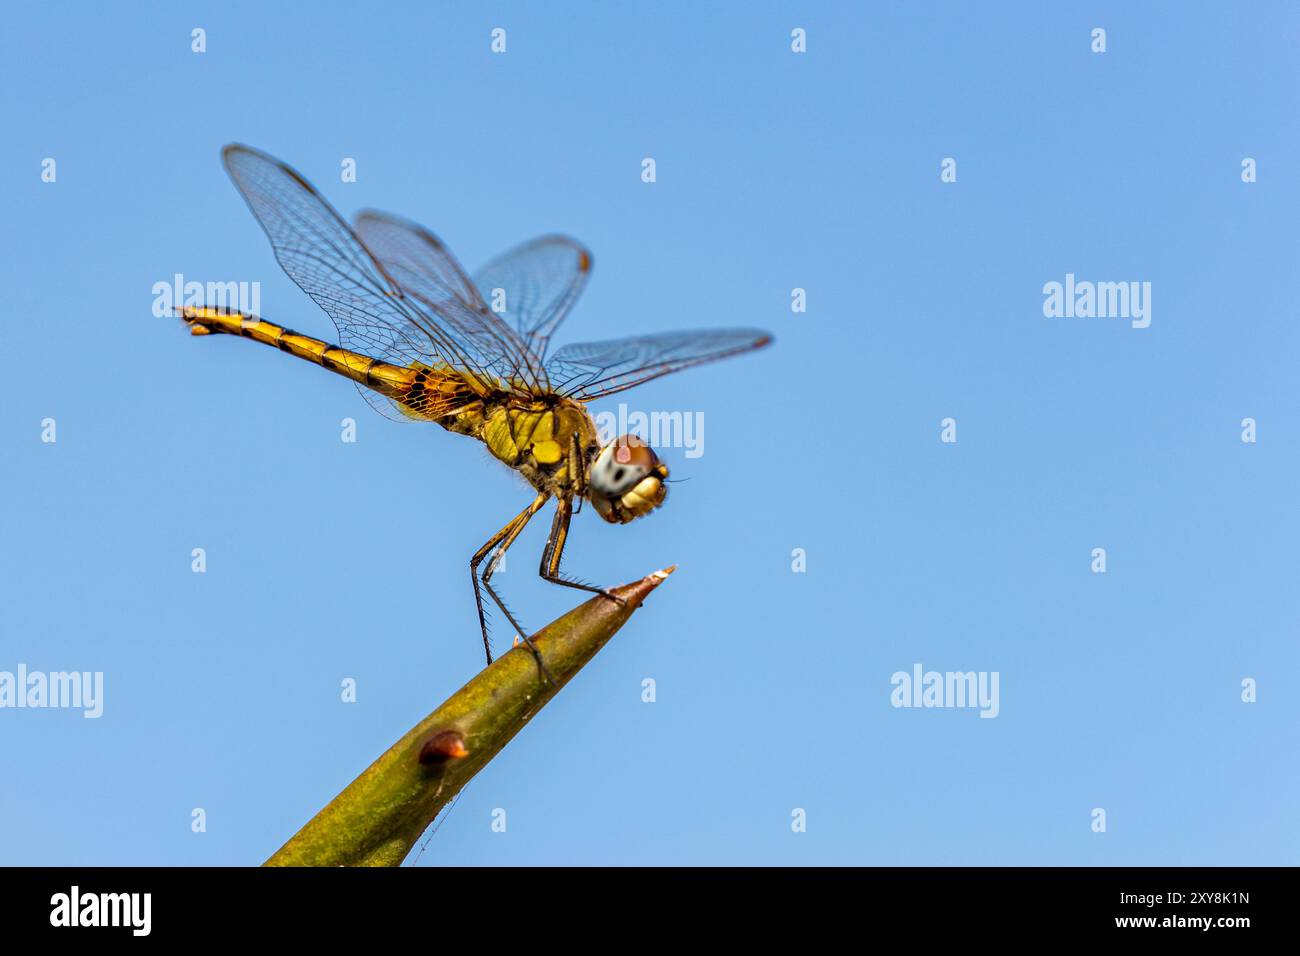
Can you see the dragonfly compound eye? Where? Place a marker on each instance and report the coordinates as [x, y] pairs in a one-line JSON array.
[[627, 480], [621, 465]]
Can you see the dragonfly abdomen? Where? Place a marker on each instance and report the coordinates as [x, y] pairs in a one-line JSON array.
[[390, 380]]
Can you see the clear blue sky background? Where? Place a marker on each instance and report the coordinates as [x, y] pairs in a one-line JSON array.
[[328, 560]]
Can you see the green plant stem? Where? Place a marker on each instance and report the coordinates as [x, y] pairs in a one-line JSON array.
[[380, 815]]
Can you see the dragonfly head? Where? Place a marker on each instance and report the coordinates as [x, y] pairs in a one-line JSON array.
[[626, 480]]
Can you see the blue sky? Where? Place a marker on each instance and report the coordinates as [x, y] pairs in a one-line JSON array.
[[775, 170]]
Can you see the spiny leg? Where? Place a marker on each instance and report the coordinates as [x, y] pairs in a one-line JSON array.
[[511, 530], [554, 552], [487, 579], [578, 470]]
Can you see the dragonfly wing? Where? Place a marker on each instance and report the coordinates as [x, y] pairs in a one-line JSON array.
[[425, 268], [588, 370], [320, 252], [533, 286], [409, 248]]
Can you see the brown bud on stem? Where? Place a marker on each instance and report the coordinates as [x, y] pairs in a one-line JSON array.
[[443, 746]]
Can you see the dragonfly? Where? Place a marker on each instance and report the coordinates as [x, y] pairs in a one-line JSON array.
[[425, 342]]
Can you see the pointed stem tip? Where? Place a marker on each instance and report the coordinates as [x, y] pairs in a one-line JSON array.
[[636, 592], [378, 817]]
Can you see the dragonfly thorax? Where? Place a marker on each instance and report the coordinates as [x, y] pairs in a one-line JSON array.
[[548, 443]]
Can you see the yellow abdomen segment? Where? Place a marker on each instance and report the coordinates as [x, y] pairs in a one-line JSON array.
[[420, 391]]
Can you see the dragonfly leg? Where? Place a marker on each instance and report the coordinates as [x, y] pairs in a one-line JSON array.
[[554, 552], [502, 540], [579, 470]]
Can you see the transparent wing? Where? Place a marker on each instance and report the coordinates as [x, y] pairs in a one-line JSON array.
[[374, 316], [533, 287], [409, 248], [588, 370], [425, 268]]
